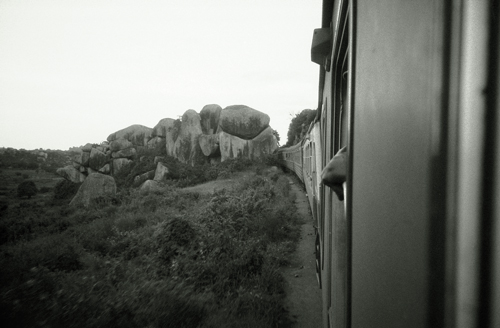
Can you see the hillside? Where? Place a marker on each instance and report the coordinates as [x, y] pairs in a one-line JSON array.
[[172, 256]]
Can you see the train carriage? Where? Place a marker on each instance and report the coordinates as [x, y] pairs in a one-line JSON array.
[[410, 89]]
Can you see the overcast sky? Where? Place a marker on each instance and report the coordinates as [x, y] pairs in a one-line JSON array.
[[74, 71]]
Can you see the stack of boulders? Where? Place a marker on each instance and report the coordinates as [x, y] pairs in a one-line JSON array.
[[244, 132], [213, 135]]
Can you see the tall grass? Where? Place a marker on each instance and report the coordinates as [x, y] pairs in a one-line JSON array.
[[164, 258]]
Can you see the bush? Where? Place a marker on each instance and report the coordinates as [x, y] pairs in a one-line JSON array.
[[44, 190], [26, 189], [177, 236]]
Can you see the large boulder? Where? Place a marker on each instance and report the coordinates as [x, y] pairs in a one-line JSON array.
[[77, 157], [209, 144], [137, 134], [187, 148], [87, 147], [264, 143], [161, 172], [85, 158], [70, 173], [233, 147], [120, 144], [160, 129], [150, 185], [97, 159], [210, 118], [139, 179], [242, 121], [157, 143], [96, 185], [106, 169], [125, 153], [119, 163], [171, 135]]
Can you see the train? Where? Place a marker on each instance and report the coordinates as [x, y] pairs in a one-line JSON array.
[[401, 164]]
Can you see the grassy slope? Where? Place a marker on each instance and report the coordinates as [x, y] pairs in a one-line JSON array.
[[172, 257]]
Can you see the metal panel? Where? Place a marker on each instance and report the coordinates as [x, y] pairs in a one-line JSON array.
[[398, 88]]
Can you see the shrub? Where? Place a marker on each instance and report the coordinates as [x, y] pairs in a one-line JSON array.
[[44, 190], [26, 189], [176, 236]]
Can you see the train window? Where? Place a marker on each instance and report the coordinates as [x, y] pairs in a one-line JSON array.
[[340, 88], [343, 114]]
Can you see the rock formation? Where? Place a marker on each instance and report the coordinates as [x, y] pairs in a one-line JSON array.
[[215, 134], [242, 121], [187, 148], [71, 173], [161, 172], [149, 185], [95, 185], [210, 115], [209, 145], [242, 132], [138, 135]]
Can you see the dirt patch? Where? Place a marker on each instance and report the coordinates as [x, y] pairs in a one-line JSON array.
[[303, 293]]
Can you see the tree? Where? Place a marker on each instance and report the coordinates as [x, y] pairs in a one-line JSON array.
[[298, 124], [277, 135], [26, 188]]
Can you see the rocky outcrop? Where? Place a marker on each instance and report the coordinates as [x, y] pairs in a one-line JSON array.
[[242, 121], [124, 153], [156, 143], [82, 158], [233, 147], [187, 148], [95, 185], [71, 173], [87, 147], [161, 172], [119, 163], [213, 135], [120, 144], [138, 135], [140, 179], [264, 143], [97, 159], [106, 169], [209, 116], [209, 145], [149, 185], [161, 128]]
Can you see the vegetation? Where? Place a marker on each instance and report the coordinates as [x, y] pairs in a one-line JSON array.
[[28, 160], [26, 188], [163, 258], [181, 174], [65, 190], [298, 126]]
